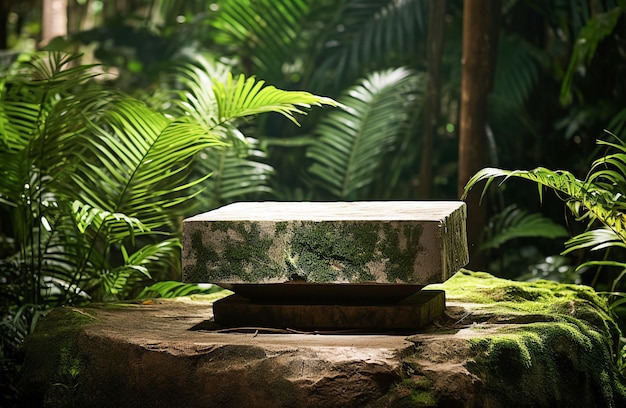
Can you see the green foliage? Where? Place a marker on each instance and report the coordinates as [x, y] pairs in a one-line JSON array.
[[94, 182], [267, 31], [172, 289], [354, 141], [598, 200], [371, 32], [597, 28], [512, 223]]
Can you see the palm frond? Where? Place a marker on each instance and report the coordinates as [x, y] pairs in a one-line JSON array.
[[233, 176], [368, 32], [596, 29], [595, 240], [517, 71], [585, 199], [247, 96], [513, 222], [353, 140], [137, 159], [267, 31], [18, 121], [171, 289], [599, 197], [197, 98]]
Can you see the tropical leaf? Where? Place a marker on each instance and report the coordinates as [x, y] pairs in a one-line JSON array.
[[596, 29], [233, 178], [599, 198], [585, 199], [353, 140], [140, 161], [366, 33], [88, 217], [18, 121], [517, 72], [247, 96], [594, 240], [266, 31], [197, 98], [138, 267], [171, 289], [513, 222]]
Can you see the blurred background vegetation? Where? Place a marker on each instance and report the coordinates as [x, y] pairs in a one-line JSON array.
[[394, 66]]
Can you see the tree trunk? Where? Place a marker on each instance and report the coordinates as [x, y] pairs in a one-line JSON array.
[[481, 22], [5, 7], [54, 20], [436, 23]]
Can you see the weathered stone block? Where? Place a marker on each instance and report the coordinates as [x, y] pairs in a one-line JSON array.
[[398, 242]]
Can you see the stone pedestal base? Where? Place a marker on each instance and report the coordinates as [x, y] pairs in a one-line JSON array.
[[498, 344], [412, 313]]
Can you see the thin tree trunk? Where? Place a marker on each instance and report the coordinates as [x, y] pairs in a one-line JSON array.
[[54, 20], [436, 24], [5, 7], [481, 22]]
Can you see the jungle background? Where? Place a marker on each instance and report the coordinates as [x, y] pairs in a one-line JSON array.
[[543, 82]]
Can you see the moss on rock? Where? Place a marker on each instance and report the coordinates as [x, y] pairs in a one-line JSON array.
[[59, 363], [533, 301], [539, 344]]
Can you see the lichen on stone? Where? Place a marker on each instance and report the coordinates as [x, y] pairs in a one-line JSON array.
[[245, 257], [401, 257], [334, 251]]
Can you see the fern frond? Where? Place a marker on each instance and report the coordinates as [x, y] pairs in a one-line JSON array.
[[595, 30], [597, 239], [233, 176], [138, 160], [353, 140], [371, 31], [513, 222], [585, 199], [241, 97], [267, 31]]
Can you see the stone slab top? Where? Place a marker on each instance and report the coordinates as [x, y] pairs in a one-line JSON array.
[[360, 242], [332, 211]]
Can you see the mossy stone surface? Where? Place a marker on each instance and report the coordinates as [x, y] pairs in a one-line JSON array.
[[54, 365], [537, 344], [362, 242], [500, 344]]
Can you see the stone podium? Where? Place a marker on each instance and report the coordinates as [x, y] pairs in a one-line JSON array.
[[323, 265]]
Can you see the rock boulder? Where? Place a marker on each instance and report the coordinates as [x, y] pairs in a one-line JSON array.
[[499, 344]]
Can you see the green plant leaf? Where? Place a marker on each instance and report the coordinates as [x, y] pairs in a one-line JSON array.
[[595, 30], [265, 30], [241, 97], [512, 223], [171, 289], [353, 140], [367, 32]]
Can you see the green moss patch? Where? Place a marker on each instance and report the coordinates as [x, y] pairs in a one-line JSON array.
[[540, 300], [55, 349], [246, 257], [538, 344], [548, 363], [331, 251], [415, 390]]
